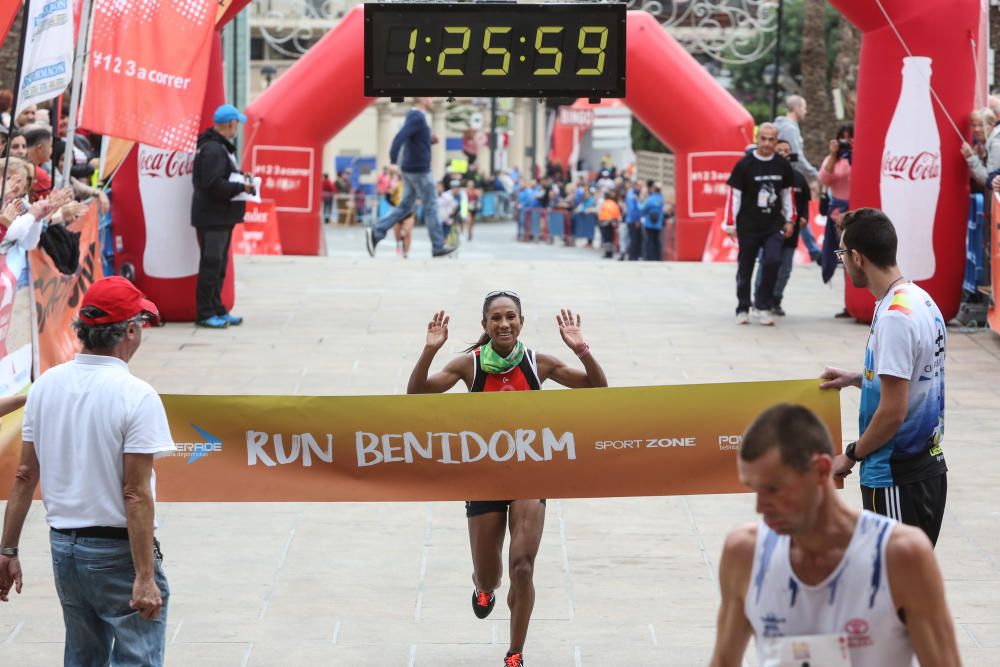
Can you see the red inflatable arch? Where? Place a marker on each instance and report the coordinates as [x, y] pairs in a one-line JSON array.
[[664, 85], [680, 103]]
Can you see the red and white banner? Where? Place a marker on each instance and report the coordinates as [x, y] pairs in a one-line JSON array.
[[579, 118], [147, 73], [707, 175], [259, 233], [720, 247], [287, 175]]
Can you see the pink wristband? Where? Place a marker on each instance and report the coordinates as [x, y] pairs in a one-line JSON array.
[[586, 351]]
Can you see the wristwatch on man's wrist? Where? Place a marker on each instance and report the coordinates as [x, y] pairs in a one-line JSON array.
[[849, 452], [8, 551]]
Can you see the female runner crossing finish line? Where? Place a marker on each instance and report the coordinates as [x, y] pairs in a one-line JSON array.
[[500, 362]]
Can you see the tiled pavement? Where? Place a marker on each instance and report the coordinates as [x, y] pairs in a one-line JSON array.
[[622, 582]]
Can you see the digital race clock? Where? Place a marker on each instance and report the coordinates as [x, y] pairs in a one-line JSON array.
[[494, 50]]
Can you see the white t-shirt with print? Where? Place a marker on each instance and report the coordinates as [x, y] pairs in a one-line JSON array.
[[83, 417]]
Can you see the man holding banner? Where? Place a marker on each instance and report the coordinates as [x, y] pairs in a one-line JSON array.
[[903, 472], [90, 433]]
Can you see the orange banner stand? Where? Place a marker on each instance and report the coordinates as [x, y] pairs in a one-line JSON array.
[[259, 234], [994, 314], [584, 443], [57, 296]]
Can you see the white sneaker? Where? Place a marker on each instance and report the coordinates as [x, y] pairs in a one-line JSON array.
[[764, 317], [743, 318]]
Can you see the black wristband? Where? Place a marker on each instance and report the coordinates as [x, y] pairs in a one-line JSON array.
[[849, 452], [8, 551]]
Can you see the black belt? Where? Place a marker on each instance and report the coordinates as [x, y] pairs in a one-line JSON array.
[[105, 532]]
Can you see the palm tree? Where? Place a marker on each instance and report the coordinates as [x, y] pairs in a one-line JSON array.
[[820, 124], [8, 54]]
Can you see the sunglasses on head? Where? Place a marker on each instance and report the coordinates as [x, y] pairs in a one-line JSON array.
[[839, 253], [512, 295]]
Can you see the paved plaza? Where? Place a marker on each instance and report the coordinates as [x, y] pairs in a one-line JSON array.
[[620, 582]]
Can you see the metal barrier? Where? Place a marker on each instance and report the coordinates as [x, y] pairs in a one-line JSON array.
[[975, 269]]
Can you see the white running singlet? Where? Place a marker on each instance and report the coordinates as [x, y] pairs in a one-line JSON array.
[[853, 603]]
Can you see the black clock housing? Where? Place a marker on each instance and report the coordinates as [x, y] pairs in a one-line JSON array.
[[494, 50]]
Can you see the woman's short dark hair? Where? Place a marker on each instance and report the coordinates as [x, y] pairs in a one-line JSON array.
[[870, 232], [99, 336], [795, 430], [846, 128]]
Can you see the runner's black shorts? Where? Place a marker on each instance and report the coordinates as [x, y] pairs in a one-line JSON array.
[[477, 507], [919, 504]]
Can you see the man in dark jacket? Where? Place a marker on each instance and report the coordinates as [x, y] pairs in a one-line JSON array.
[[217, 179], [414, 139]]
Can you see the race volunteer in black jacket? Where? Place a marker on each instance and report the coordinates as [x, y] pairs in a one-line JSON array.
[[214, 213]]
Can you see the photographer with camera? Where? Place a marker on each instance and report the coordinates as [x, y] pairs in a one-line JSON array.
[[835, 177]]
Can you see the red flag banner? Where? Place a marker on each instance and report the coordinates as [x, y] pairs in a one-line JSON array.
[[8, 12], [147, 73], [258, 235], [57, 296]]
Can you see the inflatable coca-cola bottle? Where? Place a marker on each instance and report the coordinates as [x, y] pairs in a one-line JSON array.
[[165, 189], [911, 171]]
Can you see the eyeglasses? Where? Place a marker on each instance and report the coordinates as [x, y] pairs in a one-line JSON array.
[[839, 252], [513, 295]]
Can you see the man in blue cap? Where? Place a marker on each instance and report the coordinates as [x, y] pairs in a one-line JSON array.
[[217, 179]]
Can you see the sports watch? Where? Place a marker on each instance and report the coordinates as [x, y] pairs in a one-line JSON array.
[[849, 452]]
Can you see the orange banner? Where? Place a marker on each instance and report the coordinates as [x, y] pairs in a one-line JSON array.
[[638, 441], [57, 296], [259, 234], [994, 314], [146, 76]]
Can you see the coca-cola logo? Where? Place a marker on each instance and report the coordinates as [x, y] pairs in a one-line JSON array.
[[920, 167], [165, 164]]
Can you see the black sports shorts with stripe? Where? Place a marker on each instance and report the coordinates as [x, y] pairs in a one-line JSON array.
[[919, 504]]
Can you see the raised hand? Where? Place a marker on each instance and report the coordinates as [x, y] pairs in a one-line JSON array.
[[15, 186], [437, 330], [569, 329]]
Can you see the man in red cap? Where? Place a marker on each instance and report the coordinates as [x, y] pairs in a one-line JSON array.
[[91, 431]]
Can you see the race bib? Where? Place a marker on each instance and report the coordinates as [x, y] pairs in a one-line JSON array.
[[763, 198], [806, 651]]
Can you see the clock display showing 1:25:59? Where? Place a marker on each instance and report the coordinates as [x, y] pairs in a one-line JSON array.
[[500, 49]]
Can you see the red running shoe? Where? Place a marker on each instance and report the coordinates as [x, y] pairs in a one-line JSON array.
[[514, 660]]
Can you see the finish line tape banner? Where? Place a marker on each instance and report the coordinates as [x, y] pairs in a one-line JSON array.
[[639, 441]]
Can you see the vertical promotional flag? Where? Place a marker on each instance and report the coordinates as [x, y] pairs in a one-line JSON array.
[[146, 76], [48, 52]]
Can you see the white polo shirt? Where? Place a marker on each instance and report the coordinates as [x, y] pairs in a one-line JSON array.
[[83, 417]]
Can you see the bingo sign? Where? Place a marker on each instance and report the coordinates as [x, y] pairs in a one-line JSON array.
[[707, 176], [580, 118], [287, 176]]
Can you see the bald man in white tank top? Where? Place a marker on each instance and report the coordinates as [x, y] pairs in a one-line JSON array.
[[819, 583]]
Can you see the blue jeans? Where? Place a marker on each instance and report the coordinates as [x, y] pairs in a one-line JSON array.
[[810, 242], [784, 272], [94, 581], [416, 185]]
